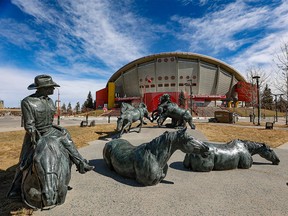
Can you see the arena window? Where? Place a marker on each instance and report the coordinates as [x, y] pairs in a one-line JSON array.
[[181, 84], [159, 78], [160, 85], [172, 84], [166, 77], [166, 85]]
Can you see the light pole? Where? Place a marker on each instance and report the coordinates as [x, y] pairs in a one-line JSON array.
[[276, 107], [58, 107], [190, 84], [258, 98], [286, 73]]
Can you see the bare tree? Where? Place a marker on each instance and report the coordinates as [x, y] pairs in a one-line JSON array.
[[251, 72], [281, 83], [257, 71]]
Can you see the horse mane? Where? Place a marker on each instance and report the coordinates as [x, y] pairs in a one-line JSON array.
[[165, 138], [254, 147]]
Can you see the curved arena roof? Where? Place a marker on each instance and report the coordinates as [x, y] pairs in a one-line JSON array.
[[186, 55]]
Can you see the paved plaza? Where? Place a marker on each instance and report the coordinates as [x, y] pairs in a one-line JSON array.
[[260, 190]]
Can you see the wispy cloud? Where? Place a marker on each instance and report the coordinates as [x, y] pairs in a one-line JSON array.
[[93, 29], [14, 89], [251, 32], [217, 31], [262, 52], [10, 31], [200, 2]]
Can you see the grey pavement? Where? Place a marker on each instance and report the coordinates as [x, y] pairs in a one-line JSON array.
[[260, 190]]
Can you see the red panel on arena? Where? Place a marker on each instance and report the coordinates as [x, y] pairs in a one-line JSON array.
[[246, 91]]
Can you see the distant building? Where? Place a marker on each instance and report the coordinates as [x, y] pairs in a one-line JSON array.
[[1, 104], [149, 77]]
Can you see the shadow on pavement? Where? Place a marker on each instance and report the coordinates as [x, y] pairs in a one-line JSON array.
[[102, 169], [10, 206], [178, 166]]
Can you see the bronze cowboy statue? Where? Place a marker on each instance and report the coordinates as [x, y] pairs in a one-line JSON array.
[[44, 168]]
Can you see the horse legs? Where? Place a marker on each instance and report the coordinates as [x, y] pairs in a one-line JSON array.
[[245, 161], [164, 172], [124, 128], [161, 120], [129, 127], [141, 123]]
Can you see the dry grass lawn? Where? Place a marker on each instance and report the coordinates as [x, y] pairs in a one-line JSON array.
[[11, 142]]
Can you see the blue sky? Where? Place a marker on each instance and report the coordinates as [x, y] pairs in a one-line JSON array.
[[81, 43]]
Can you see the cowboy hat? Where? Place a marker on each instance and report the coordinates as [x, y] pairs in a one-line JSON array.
[[41, 81]]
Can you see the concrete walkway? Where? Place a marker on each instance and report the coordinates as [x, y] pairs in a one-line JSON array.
[[260, 190]]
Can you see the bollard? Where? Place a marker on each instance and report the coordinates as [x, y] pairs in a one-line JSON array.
[[109, 118]]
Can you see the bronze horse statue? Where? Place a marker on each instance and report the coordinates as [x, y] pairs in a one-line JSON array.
[[179, 116], [166, 109], [45, 181], [125, 107], [129, 116], [232, 155], [147, 163]]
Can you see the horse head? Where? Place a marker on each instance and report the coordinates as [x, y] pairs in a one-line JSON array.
[[164, 98], [189, 144], [267, 153]]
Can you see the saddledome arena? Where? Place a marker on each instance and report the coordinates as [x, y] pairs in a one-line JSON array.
[[146, 79]]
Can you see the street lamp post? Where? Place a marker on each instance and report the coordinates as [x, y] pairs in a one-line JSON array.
[[58, 107], [286, 122], [258, 98], [190, 84], [276, 106]]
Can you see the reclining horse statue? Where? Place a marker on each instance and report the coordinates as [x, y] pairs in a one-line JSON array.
[[129, 116], [147, 163], [45, 181], [232, 155]]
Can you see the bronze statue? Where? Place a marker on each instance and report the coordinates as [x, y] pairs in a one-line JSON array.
[[129, 115], [166, 109], [47, 151], [147, 163], [232, 155]]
